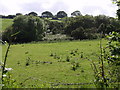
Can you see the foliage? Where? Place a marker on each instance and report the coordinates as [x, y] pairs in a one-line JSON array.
[[76, 13], [54, 27], [17, 14], [68, 25], [118, 4], [101, 19], [47, 14], [118, 13], [114, 57], [7, 80], [30, 28], [76, 22], [90, 24], [78, 33], [101, 78], [61, 14], [33, 13], [107, 75], [6, 35]]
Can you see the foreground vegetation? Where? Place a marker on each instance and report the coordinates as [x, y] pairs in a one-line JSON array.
[[69, 64]]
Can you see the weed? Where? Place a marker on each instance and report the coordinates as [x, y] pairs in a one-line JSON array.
[[68, 59], [27, 62], [81, 56], [51, 54], [72, 52], [75, 65], [26, 52], [82, 71], [18, 62]]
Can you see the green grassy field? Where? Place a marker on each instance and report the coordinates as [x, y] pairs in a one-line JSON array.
[[45, 64], [6, 23]]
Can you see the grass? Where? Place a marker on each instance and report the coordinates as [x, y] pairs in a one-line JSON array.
[[6, 23], [45, 65]]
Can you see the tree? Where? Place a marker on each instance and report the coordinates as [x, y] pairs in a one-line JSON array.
[[6, 35], [76, 13], [101, 19], [55, 27], [10, 16], [80, 21], [118, 13], [33, 13], [17, 14], [47, 14], [61, 14], [78, 33], [29, 28], [109, 29], [118, 4]]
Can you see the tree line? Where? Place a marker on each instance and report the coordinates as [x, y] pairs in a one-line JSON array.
[[45, 14], [33, 28]]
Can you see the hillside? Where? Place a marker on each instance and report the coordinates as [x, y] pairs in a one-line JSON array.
[[47, 65], [6, 23]]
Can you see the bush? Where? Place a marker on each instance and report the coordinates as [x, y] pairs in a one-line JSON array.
[[28, 28]]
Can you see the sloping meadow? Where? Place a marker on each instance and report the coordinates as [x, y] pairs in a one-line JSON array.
[[47, 65]]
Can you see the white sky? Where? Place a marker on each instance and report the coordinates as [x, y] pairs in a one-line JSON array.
[[91, 7]]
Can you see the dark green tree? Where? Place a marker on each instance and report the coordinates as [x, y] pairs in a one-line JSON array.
[[33, 13], [80, 21], [78, 33], [55, 27], [118, 13], [47, 14], [17, 14], [76, 13], [29, 28], [101, 19], [61, 14]]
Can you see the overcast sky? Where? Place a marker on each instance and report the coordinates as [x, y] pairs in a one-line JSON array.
[[91, 7]]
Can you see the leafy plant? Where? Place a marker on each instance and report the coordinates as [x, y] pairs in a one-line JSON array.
[[75, 65], [114, 57], [6, 76], [27, 62], [108, 75], [68, 59]]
